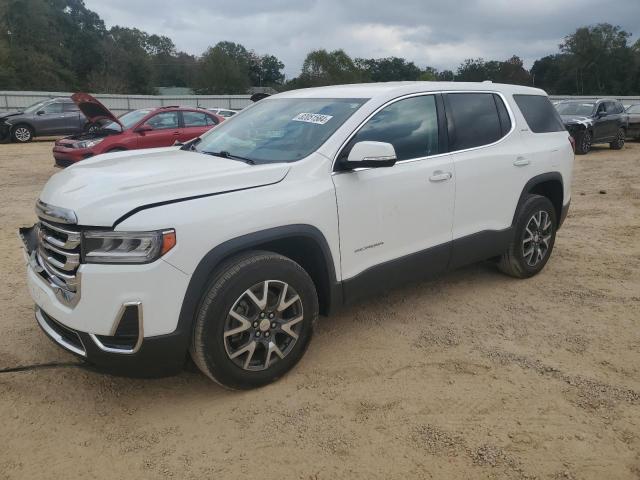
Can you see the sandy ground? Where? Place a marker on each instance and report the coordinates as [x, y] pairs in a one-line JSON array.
[[475, 375]]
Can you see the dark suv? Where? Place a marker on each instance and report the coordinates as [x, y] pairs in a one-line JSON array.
[[589, 122], [54, 116]]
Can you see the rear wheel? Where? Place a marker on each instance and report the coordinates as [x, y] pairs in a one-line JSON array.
[[22, 133], [254, 321], [583, 142], [533, 240], [618, 143]]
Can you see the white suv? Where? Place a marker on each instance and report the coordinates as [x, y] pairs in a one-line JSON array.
[[228, 247]]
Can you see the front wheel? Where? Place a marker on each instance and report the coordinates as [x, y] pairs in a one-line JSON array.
[[618, 143], [583, 142], [534, 237], [22, 133], [254, 321]]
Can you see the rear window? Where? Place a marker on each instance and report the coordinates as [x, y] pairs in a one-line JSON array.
[[475, 120], [539, 113]]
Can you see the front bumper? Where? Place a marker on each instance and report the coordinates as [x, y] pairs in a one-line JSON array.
[[90, 327], [65, 156], [158, 356]]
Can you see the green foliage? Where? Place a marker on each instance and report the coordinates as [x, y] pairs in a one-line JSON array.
[[223, 69], [61, 45]]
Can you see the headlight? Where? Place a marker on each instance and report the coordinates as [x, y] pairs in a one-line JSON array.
[[89, 143], [126, 247]]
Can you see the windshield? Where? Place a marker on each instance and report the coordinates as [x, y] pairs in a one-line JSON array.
[[634, 109], [280, 129], [575, 108], [129, 119], [36, 106]]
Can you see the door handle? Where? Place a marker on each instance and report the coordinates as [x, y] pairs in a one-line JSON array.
[[521, 162], [440, 176]]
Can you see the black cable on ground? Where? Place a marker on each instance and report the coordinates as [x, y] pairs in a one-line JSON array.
[[40, 366]]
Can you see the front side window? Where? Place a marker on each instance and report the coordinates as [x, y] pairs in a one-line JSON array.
[[539, 113], [163, 120], [475, 119], [410, 125], [279, 129], [70, 107], [55, 107]]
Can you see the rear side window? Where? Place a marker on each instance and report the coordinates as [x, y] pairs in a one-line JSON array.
[[539, 113], [195, 119], [410, 125], [475, 120]]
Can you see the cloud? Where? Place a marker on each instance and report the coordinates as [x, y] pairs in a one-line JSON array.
[[428, 32]]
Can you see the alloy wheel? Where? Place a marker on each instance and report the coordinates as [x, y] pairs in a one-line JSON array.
[[22, 134], [537, 238], [263, 325]]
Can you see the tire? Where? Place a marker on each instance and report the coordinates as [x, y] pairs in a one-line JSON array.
[[235, 334], [22, 133], [583, 142], [618, 143], [535, 231]]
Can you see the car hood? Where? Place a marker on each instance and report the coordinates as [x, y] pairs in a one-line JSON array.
[[103, 189], [573, 119], [93, 109], [13, 113]]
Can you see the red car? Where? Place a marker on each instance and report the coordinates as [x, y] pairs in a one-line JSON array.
[[145, 128]]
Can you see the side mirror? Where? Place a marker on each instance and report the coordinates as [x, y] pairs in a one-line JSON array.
[[144, 128], [602, 114], [371, 155], [40, 112]]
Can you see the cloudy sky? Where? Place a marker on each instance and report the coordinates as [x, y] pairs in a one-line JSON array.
[[439, 33]]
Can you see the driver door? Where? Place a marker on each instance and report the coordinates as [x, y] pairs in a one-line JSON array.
[[396, 222], [50, 119], [165, 130]]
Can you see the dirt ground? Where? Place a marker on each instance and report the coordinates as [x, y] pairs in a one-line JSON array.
[[474, 375]]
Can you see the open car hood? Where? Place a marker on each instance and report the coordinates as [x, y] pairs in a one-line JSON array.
[[93, 109]]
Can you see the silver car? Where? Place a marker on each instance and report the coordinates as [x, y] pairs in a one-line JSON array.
[[54, 116]]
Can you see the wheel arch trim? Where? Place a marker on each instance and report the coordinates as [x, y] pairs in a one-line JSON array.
[[534, 182], [212, 259]]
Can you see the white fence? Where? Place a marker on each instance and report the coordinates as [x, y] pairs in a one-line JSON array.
[[10, 100]]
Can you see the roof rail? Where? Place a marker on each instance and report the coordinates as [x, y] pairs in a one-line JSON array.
[[170, 106]]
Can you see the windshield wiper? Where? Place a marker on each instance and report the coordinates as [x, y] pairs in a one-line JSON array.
[[225, 154]]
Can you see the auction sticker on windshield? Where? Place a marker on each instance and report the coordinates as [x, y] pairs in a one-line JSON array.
[[316, 118]]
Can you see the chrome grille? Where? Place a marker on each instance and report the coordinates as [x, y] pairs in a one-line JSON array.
[[58, 254]]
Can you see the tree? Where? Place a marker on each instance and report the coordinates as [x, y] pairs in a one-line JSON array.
[[388, 69], [265, 70], [600, 58], [327, 68], [472, 70], [223, 69]]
